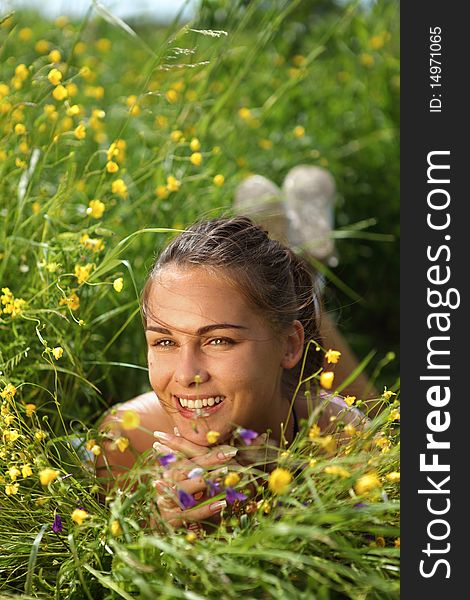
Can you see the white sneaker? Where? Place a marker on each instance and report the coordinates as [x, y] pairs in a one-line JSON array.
[[309, 195], [260, 199]]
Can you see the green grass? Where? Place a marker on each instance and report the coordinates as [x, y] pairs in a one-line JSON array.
[[241, 93]]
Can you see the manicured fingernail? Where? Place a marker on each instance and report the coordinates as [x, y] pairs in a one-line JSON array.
[[161, 435], [228, 453], [216, 506], [221, 471], [161, 448], [177, 432]]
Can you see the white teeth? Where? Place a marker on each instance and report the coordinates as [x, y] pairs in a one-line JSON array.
[[200, 403]]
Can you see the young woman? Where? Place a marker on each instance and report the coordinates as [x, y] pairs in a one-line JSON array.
[[228, 313]]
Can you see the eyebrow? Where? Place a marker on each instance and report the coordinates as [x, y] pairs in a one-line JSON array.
[[201, 330]]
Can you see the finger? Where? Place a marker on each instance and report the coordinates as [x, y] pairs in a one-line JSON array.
[[177, 517], [189, 449]]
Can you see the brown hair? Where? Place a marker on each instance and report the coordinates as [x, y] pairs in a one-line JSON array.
[[274, 280]]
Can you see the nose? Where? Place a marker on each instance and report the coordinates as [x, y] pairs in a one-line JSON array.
[[190, 371]]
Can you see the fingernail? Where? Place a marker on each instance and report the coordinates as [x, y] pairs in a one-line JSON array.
[[216, 506], [221, 471], [161, 435], [177, 432], [161, 448], [228, 453], [198, 495]]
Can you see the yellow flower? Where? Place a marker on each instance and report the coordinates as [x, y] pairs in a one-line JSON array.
[[161, 121], [161, 192], [191, 537], [380, 541], [118, 284], [265, 144], [279, 480], [55, 56], [9, 419], [244, 113], [314, 432], [14, 473], [116, 528], [350, 400], [232, 479], [55, 76], [394, 415], [96, 209], [85, 72], [219, 180], [312, 462], [40, 435], [46, 476], [112, 167], [299, 131], [212, 436], [176, 135], [172, 96], [80, 132], [57, 352], [130, 420], [103, 45], [96, 450], [60, 93], [82, 273], [30, 409], [122, 444], [119, 187], [326, 379], [196, 158], [366, 483], [336, 470], [11, 435], [79, 515], [387, 394], [332, 356], [350, 429], [367, 60], [41, 46], [9, 390], [94, 244], [20, 129], [172, 184], [22, 71], [195, 145], [397, 543], [72, 301], [11, 489], [26, 471], [134, 108], [394, 476], [377, 41]]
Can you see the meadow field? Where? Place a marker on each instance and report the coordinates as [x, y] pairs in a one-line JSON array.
[[114, 136]]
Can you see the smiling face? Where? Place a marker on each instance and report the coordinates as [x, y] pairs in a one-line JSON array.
[[214, 362]]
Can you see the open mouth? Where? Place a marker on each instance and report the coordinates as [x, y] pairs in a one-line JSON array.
[[200, 407]]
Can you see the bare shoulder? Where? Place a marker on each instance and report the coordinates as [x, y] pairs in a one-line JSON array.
[[117, 458]]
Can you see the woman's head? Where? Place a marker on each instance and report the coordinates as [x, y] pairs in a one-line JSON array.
[[228, 271]]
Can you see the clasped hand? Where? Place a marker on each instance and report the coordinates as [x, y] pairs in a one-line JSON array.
[[182, 493]]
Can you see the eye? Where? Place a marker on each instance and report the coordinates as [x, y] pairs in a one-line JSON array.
[[163, 343], [221, 341]]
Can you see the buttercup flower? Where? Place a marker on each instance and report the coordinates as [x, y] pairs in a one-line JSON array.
[[279, 480], [196, 158], [116, 528], [12, 488], [336, 470], [122, 444], [332, 356], [119, 187], [394, 476], [26, 471], [212, 436], [232, 479], [47, 475], [299, 131], [219, 180], [195, 145], [14, 473], [82, 273], [96, 209], [130, 420], [172, 184], [366, 483], [387, 394], [80, 132], [326, 379], [350, 400], [60, 93], [30, 409], [57, 352], [54, 76], [79, 515], [118, 284], [8, 392], [112, 167]]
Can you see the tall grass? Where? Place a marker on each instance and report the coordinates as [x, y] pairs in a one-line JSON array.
[[112, 139]]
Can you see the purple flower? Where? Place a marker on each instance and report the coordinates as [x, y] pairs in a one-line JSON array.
[[248, 435], [186, 500], [166, 459], [214, 487], [360, 505], [57, 524], [231, 495]]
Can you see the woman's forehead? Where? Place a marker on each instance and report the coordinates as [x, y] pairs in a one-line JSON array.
[[192, 294]]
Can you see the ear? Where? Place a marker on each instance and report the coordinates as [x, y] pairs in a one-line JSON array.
[[294, 345]]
